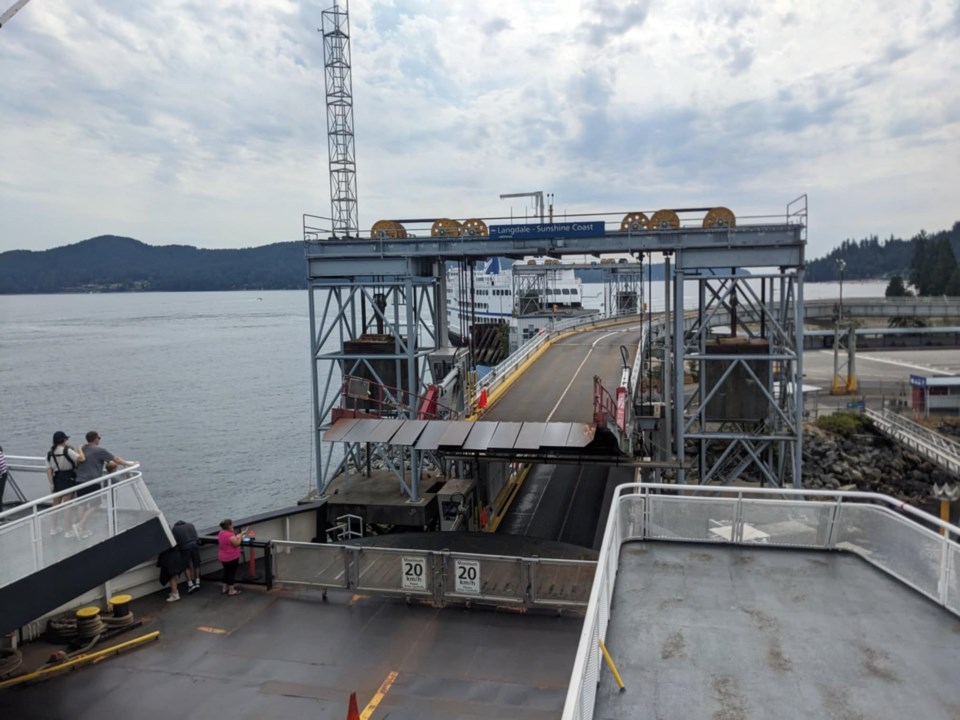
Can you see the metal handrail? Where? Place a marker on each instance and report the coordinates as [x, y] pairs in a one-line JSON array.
[[934, 447], [34, 506]]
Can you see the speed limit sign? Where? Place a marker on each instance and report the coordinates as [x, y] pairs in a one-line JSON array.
[[413, 573], [467, 576]]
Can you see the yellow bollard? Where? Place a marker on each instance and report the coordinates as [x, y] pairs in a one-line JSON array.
[[613, 668], [944, 513]]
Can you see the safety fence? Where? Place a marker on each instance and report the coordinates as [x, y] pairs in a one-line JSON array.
[[915, 547], [440, 577], [35, 535]]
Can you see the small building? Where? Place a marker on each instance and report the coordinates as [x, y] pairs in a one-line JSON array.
[[935, 395]]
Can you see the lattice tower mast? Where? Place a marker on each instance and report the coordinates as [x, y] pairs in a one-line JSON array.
[[340, 138]]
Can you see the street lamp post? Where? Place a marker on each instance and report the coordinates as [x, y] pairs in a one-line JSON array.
[[841, 265]]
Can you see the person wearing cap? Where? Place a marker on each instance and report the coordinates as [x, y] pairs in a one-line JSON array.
[[62, 464], [96, 459]]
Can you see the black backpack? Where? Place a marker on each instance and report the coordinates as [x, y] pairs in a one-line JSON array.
[[71, 473]]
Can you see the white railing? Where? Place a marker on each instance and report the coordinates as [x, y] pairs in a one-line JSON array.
[[38, 534], [935, 447], [897, 538]]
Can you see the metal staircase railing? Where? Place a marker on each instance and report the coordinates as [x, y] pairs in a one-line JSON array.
[[933, 446]]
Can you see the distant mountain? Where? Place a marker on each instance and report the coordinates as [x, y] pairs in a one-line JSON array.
[[120, 264]]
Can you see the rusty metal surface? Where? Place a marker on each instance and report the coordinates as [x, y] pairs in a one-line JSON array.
[[337, 431], [580, 435], [555, 435]]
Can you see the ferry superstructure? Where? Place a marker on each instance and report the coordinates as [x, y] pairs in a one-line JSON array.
[[491, 293]]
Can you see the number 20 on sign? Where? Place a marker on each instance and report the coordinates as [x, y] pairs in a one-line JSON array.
[[467, 576], [413, 573]]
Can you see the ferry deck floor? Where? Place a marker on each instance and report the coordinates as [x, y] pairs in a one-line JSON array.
[[281, 654], [701, 632]]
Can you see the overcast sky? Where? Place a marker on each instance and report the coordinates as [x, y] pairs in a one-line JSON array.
[[203, 122]]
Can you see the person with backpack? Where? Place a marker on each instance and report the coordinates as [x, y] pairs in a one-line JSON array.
[[62, 462]]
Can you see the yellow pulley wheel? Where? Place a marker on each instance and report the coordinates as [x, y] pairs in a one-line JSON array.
[[664, 220], [720, 217], [445, 227], [474, 227], [634, 222], [387, 228]]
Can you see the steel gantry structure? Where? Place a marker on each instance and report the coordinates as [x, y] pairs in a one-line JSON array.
[[378, 312]]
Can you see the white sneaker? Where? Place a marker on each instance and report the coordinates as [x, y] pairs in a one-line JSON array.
[[173, 597], [69, 534], [192, 587]]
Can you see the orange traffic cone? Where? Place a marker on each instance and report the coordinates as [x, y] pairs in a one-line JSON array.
[[353, 713], [483, 399]]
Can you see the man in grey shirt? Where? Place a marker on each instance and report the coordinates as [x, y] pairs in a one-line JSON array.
[[96, 459]]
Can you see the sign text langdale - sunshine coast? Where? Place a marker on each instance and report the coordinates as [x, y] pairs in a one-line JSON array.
[[547, 230]]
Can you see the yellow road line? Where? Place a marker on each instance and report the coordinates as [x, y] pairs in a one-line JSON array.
[[81, 660], [512, 489], [499, 392], [378, 696]]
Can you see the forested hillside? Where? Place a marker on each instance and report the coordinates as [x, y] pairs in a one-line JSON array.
[[117, 264], [872, 258]]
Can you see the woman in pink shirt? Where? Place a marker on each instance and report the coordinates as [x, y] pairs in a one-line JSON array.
[[229, 554]]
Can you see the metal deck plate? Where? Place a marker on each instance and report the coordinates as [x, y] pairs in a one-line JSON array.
[[530, 436], [456, 432], [479, 438], [505, 436], [430, 437], [409, 432], [555, 435], [360, 432]]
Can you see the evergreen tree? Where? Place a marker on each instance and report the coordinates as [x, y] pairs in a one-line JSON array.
[[896, 288]]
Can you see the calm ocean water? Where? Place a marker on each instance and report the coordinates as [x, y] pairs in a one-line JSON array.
[[209, 391]]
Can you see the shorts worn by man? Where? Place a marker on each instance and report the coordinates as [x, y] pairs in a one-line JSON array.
[[188, 543]]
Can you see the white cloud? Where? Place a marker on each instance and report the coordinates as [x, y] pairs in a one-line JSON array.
[[204, 122]]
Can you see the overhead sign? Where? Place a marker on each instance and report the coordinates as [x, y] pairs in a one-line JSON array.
[[535, 231], [918, 381]]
